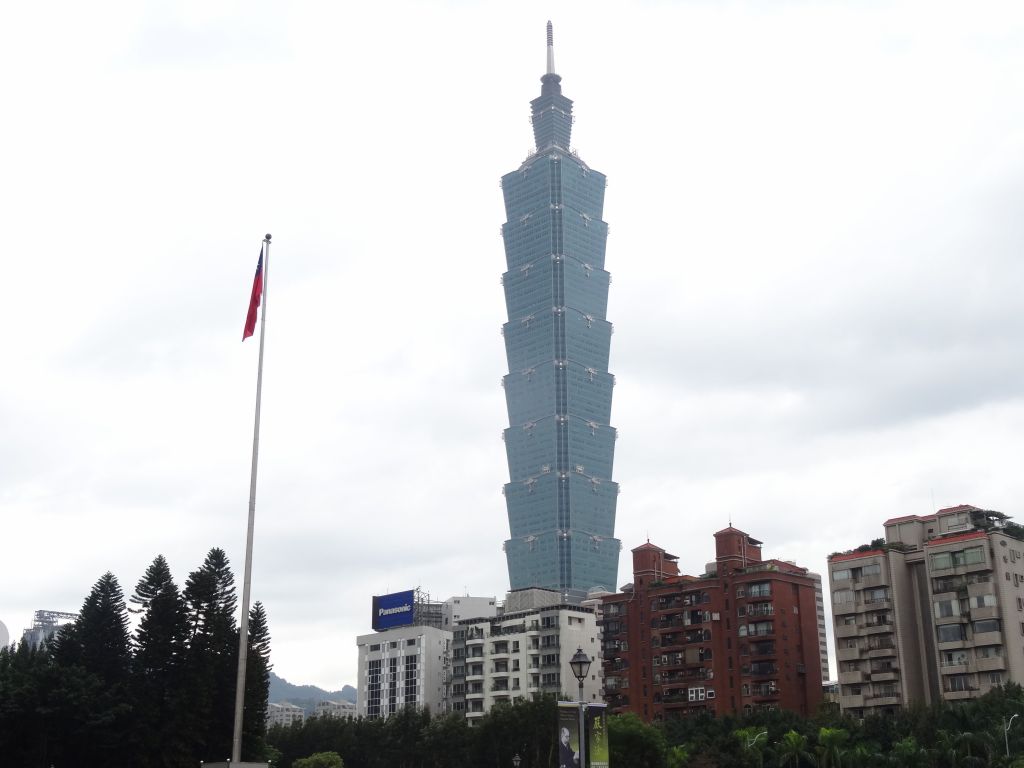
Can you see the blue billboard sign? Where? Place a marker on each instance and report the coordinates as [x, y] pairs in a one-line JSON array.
[[394, 610]]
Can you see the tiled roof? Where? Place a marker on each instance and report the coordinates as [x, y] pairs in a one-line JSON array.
[[855, 555], [958, 537]]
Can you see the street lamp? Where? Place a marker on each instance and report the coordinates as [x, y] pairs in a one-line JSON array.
[[1006, 732], [516, 760], [580, 665]]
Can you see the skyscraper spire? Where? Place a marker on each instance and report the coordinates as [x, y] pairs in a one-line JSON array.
[[551, 50], [552, 112]]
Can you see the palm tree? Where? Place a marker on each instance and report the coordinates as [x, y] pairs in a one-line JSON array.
[[906, 753], [830, 747], [792, 750], [859, 756], [752, 742]]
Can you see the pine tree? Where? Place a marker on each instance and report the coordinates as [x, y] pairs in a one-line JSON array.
[[158, 685], [257, 685], [212, 658], [95, 656]]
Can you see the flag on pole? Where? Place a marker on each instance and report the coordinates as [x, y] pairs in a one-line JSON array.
[[254, 300]]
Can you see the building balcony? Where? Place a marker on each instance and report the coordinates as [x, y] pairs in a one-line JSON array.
[[851, 678], [883, 699], [876, 628], [878, 604], [847, 630], [474, 695], [471, 715], [848, 654], [988, 638], [476, 639], [870, 582], [881, 652], [981, 586], [985, 612], [884, 676], [990, 664], [961, 695], [475, 677], [500, 654], [851, 702]]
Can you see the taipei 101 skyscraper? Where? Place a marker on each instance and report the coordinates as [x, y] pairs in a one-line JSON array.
[[560, 445]]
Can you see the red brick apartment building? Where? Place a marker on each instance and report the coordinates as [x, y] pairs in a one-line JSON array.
[[743, 636]]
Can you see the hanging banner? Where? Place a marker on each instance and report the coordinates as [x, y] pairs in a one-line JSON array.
[[568, 735], [597, 735]]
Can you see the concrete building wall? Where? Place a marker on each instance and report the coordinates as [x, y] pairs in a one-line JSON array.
[[522, 654], [455, 609], [404, 666]]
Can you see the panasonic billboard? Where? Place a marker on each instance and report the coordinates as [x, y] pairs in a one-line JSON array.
[[394, 610]]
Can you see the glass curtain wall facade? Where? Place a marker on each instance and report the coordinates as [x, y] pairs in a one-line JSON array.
[[560, 445]]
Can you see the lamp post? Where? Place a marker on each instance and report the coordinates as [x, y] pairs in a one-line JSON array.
[[1006, 732], [516, 760], [580, 665]]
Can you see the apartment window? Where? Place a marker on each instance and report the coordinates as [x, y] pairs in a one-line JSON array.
[[983, 601], [946, 608], [995, 678], [375, 647], [842, 596], [959, 683], [969, 556], [760, 589], [953, 658], [876, 595], [841, 575], [873, 569], [696, 694], [989, 651], [986, 625], [949, 633], [411, 641]]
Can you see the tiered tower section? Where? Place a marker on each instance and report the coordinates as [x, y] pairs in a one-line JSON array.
[[560, 498]]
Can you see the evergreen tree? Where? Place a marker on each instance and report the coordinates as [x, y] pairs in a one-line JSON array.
[[157, 671], [212, 658], [257, 685], [94, 654]]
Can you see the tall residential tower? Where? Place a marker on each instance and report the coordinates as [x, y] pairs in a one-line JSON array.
[[560, 445]]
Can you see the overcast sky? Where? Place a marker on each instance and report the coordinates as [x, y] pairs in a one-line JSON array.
[[816, 248]]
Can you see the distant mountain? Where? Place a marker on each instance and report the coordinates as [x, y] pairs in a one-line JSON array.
[[306, 696]]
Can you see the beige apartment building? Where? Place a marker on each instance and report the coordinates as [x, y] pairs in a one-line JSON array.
[[936, 612]]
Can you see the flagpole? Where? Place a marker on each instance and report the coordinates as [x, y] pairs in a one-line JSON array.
[[243, 633]]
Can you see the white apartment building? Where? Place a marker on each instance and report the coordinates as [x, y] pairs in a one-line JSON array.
[[335, 709], [403, 667], [934, 613], [523, 652], [284, 714]]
